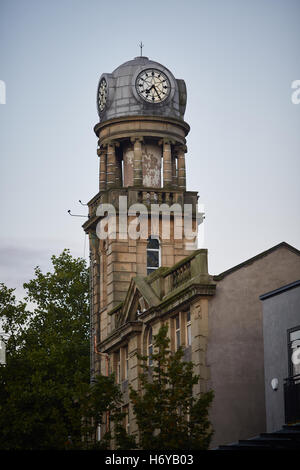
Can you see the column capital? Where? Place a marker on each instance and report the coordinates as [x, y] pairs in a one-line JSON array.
[[101, 151], [136, 139], [180, 149], [113, 143], [166, 141]]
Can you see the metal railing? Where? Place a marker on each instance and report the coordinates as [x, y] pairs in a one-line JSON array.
[[292, 399]]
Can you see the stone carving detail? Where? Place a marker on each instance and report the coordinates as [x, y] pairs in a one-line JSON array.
[[197, 310]]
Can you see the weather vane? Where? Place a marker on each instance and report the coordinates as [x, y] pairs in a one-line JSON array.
[[141, 46]]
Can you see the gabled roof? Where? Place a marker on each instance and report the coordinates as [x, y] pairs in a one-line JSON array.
[[249, 261], [138, 288]]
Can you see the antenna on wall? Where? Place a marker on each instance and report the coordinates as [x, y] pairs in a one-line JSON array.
[[78, 215]]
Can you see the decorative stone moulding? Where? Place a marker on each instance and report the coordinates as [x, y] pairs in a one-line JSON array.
[[142, 126]]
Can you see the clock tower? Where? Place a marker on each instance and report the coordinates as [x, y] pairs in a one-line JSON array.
[[141, 148]]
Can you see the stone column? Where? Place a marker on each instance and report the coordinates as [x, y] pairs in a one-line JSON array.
[[181, 167], [102, 174], [174, 172], [167, 164], [111, 165], [137, 161]]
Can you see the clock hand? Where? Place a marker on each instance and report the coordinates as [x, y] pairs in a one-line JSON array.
[[156, 92], [149, 89]]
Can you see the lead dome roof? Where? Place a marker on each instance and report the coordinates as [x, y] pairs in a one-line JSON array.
[[122, 100]]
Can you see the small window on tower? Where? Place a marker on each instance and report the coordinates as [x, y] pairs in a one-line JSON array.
[[153, 254]]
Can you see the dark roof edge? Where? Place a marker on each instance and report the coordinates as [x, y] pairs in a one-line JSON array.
[[292, 285], [220, 276]]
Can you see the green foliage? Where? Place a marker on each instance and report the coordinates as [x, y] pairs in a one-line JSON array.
[[47, 357], [168, 416], [101, 403], [45, 390], [45, 394]]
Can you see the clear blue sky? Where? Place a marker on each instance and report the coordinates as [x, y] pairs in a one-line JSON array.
[[238, 59]]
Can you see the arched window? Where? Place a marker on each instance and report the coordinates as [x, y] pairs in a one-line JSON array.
[[153, 254], [150, 347]]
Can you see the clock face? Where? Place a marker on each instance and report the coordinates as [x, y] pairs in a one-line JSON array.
[[102, 94], [153, 85]]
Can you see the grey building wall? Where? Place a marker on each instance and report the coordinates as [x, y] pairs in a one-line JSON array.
[[235, 353], [280, 313]]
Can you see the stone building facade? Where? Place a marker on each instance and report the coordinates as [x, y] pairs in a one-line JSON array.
[[139, 283]]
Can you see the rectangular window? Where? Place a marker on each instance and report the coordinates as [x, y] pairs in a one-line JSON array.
[[188, 329], [153, 254], [177, 332], [153, 259]]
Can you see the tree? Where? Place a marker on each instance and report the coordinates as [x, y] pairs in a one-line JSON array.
[[101, 404], [45, 390], [168, 415], [47, 357]]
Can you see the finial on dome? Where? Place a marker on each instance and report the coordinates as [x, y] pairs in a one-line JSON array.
[[141, 47]]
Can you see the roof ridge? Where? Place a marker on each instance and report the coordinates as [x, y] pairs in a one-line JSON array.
[[251, 260]]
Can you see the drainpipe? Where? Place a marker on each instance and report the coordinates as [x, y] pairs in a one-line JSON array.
[[91, 287], [106, 373]]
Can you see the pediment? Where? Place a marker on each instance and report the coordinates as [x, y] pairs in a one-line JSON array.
[[140, 297], [137, 306]]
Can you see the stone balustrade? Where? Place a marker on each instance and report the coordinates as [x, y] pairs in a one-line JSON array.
[[183, 280], [146, 196], [181, 275]]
